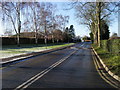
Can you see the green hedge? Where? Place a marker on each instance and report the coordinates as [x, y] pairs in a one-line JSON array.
[[112, 46], [104, 45]]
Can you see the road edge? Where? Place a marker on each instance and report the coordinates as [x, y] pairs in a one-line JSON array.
[[105, 67]]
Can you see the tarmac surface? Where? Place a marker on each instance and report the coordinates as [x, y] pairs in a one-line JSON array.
[[72, 67]]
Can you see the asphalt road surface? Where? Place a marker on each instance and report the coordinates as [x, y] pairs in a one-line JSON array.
[[68, 68]]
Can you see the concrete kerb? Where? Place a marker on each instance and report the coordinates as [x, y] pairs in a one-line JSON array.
[[36, 54], [106, 68]]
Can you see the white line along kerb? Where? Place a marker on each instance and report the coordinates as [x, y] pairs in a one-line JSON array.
[[39, 75]]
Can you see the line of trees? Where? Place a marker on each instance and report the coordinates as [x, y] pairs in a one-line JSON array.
[[32, 17], [97, 16]]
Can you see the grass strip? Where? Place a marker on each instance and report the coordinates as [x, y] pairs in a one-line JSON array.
[[111, 60], [14, 50]]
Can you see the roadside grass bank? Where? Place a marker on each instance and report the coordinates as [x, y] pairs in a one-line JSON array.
[[111, 60], [13, 50]]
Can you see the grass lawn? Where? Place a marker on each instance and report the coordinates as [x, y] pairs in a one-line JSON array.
[[12, 50], [111, 60]]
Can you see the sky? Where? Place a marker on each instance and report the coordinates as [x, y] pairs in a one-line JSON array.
[[80, 30]]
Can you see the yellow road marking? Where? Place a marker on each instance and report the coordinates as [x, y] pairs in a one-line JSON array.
[[96, 66]]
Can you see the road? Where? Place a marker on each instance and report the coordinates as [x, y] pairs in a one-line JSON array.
[[68, 68]]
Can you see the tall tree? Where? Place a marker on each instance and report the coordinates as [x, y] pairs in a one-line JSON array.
[[69, 33], [45, 17], [66, 34], [91, 14], [58, 23], [58, 35], [104, 30], [13, 12], [98, 18], [72, 32], [35, 8]]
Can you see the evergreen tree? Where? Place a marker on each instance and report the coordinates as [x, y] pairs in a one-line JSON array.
[[104, 30], [72, 32]]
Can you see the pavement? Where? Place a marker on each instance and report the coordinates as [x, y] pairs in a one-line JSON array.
[[71, 67]]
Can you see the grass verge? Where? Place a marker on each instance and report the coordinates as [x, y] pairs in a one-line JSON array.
[[12, 50], [111, 60]]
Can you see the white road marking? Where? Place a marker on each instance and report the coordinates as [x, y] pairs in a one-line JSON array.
[[41, 74]]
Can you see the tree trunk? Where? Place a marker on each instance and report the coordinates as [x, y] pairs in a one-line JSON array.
[[18, 40], [98, 35], [46, 41], [68, 37], [35, 26], [36, 32], [53, 39], [19, 25], [36, 39], [98, 11], [95, 38], [45, 36], [57, 40]]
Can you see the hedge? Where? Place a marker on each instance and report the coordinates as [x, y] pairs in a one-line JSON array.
[[23, 40], [13, 41], [104, 45], [112, 46]]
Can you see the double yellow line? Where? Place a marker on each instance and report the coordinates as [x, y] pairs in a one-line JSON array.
[[101, 73]]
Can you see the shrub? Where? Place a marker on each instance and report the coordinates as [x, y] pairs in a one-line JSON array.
[[104, 45], [114, 46]]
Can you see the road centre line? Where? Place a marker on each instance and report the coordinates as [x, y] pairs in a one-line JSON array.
[[15, 60], [41, 74]]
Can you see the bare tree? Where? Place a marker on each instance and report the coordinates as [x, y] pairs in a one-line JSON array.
[[13, 12], [91, 14], [61, 21], [86, 15], [46, 18], [35, 9], [58, 35], [98, 18]]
